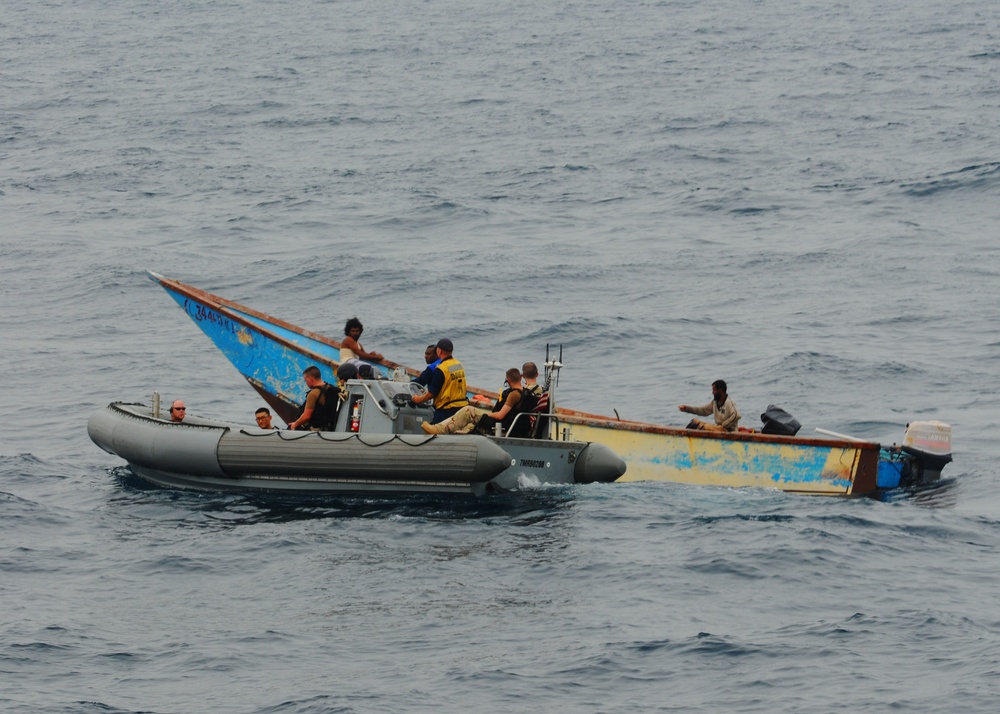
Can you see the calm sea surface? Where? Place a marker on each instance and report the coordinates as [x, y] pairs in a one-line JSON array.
[[802, 198]]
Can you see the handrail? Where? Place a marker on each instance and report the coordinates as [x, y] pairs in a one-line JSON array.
[[377, 405], [551, 419], [514, 421]]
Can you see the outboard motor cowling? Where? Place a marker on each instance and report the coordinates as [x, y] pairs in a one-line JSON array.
[[929, 442], [777, 421]]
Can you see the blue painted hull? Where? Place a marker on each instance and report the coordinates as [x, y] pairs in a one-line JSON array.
[[272, 354]]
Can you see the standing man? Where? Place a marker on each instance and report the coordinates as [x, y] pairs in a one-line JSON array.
[[319, 413], [447, 387], [721, 407], [177, 411]]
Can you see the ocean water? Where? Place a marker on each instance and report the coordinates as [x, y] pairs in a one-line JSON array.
[[801, 198]]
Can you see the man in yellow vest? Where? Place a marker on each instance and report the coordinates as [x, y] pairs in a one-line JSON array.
[[447, 387]]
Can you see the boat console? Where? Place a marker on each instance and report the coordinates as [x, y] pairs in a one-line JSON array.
[[378, 406]]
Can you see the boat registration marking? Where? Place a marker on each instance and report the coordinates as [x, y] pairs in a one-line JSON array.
[[534, 464]]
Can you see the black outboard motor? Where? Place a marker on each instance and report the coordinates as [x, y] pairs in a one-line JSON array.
[[778, 421]]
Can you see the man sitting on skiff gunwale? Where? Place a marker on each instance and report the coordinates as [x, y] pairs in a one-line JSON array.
[[722, 407]]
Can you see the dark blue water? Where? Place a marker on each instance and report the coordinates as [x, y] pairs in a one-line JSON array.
[[801, 198]]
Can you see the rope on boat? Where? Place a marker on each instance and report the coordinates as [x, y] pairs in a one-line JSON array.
[[285, 435]]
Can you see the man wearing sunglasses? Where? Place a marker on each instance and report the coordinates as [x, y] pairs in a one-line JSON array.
[[178, 411]]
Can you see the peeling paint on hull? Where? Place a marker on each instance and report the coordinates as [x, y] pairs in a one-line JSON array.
[[739, 460], [271, 354]]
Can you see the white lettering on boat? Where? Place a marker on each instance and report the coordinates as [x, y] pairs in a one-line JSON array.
[[533, 463]]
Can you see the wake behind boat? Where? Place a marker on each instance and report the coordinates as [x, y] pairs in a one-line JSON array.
[[271, 354]]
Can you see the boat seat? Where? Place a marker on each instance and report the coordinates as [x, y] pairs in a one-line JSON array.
[[536, 418]]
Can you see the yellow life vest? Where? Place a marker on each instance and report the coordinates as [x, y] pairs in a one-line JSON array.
[[453, 391]]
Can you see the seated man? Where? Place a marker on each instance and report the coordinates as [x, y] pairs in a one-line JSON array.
[[263, 417], [431, 359], [468, 418], [351, 348], [177, 411], [532, 389], [721, 407], [530, 373]]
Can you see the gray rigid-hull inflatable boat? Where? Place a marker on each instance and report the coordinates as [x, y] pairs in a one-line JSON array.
[[207, 454]]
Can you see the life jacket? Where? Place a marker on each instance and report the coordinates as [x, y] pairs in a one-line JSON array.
[[522, 427], [453, 391], [324, 416], [530, 397]]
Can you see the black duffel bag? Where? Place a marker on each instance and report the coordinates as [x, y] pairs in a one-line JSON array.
[[778, 421]]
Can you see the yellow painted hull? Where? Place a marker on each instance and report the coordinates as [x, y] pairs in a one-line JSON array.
[[655, 453], [271, 354]]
